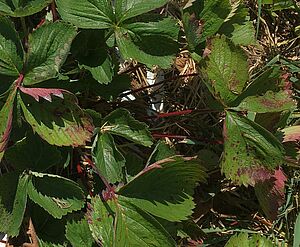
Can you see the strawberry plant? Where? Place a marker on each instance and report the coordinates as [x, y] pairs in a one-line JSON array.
[[80, 163]]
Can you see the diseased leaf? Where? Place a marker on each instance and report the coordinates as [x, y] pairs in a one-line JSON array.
[[271, 193], [6, 117], [57, 195], [243, 240], [269, 102], [170, 197], [11, 51], [250, 151], [48, 49], [32, 153], [126, 9], [60, 122], [121, 123], [193, 30], [79, 234], [93, 14], [17, 8], [130, 226], [108, 158], [227, 70], [136, 40], [291, 134]]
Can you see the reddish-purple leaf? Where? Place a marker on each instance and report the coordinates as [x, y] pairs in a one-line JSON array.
[[44, 93], [270, 193], [291, 134]]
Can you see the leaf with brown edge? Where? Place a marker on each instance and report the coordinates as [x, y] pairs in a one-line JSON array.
[[250, 151], [60, 122], [44, 93], [270, 193], [6, 116], [291, 134]]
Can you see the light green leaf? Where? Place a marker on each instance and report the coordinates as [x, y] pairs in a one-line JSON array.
[[126, 9], [57, 195], [108, 158], [170, 197], [48, 49], [296, 242], [17, 8], [19, 205], [243, 240], [213, 16], [79, 234], [6, 117], [121, 123], [32, 153], [250, 151], [269, 102], [136, 40], [93, 14], [11, 51], [124, 225], [60, 122], [227, 70]]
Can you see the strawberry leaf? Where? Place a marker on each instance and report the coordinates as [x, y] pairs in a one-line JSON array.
[[243, 240], [44, 93], [60, 122], [107, 158], [48, 49], [57, 195], [170, 197], [130, 226], [250, 151], [11, 51]]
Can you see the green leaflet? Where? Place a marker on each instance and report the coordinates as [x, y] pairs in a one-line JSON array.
[[11, 51], [93, 14], [108, 158], [250, 151], [126, 9], [33, 153], [243, 240], [121, 123], [170, 197], [57, 195], [60, 122], [269, 102], [48, 49], [124, 225], [78, 233], [18, 8], [227, 70]]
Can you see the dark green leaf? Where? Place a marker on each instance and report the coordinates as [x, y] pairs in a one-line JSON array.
[[79, 234], [33, 153], [57, 195], [121, 123], [93, 14], [48, 49], [107, 158], [11, 51]]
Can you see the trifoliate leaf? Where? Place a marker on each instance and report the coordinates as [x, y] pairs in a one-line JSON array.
[[121, 123], [170, 197], [250, 151], [48, 49], [57, 195]]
